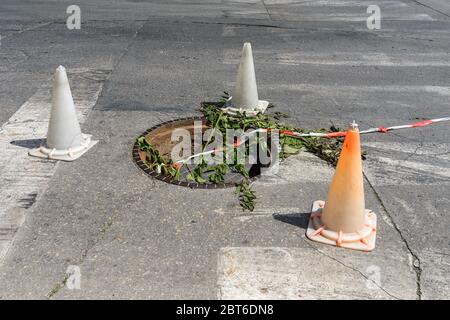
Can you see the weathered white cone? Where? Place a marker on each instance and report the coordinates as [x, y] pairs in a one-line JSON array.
[[245, 95], [64, 138]]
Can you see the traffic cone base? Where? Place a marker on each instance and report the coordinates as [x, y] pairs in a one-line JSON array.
[[363, 239], [70, 154], [230, 109], [65, 141]]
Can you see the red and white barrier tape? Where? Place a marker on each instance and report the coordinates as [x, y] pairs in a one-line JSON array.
[[320, 134], [371, 130]]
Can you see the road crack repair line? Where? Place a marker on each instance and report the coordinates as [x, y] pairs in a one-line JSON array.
[[101, 235], [431, 8], [267, 10], [351, 268], [416, 264], [108, 224]]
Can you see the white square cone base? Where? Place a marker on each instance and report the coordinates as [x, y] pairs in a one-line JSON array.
[[262, 106], [64, 155], [364, 240]]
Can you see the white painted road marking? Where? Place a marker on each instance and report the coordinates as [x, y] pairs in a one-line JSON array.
[[417, 166], [435, 59], [359, 59], [24, 178], [349, 17], [438, 151], [301, 273], [335, 3], [345, 90], [402, 163]]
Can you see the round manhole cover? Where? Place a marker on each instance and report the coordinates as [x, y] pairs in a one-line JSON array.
[[160, 138]]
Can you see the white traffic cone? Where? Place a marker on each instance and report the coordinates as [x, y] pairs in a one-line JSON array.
[[64, 138], [245, 95]]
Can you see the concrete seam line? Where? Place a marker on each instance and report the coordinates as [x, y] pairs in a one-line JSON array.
[[350, 267], [431, 8], [417, 269], [119, 60]]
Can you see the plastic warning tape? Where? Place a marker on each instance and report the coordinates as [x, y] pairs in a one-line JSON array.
[[381, 129]]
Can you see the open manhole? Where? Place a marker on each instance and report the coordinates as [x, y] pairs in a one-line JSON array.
[[159, 137]]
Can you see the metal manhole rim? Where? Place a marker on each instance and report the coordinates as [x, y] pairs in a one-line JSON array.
[[151, 173]]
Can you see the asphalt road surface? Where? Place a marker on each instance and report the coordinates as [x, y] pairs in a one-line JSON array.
[[134, 64]]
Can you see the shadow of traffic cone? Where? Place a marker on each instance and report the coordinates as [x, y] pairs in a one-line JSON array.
[[64, 138], [343, 220], [245, 94]]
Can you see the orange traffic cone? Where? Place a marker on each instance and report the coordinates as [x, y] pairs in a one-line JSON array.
[[343, 220]]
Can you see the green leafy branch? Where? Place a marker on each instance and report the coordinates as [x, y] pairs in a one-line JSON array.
[[156, 162], [326, 149]]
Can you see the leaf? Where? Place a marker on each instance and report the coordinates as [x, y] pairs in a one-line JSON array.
[[200, 179], [326, 149], [143, 144], [190, 176], [287, 149]]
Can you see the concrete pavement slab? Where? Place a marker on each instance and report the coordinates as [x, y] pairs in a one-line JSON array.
[[134, 237]]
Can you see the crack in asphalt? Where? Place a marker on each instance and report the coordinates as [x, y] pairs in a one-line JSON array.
[[267, 10], [416, 260], [35, 27], [125, 51], [107, 225], [431, 8], [242, 24], [351, 268], [414, 153]]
